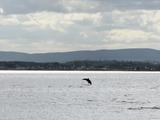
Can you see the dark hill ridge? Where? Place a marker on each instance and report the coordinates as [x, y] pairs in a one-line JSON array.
[[119, 55]]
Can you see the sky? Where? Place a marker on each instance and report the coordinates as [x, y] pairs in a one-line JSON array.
[[41, 26]]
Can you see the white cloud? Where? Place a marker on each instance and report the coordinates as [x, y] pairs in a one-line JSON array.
[[1, 11], [9, 20], [148, 20], [130, 35], [60, 22], [50, 20]]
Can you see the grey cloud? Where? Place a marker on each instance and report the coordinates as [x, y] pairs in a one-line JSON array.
[[29, 6], [129, 4]]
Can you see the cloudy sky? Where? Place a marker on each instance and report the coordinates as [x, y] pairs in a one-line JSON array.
[[35, 26]]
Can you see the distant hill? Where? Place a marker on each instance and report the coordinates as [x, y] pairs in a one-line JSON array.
[[149, 55]]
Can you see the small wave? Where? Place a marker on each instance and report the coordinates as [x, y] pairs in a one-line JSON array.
[[144, 108]]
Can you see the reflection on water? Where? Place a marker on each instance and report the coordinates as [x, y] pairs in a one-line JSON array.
[[64, 95]]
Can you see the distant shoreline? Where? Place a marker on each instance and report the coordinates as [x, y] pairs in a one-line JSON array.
[[81, 66], [72, 72]]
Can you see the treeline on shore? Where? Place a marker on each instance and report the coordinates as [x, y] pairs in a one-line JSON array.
[[83, 65]]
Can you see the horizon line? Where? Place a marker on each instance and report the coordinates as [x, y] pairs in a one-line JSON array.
[[75, 50]]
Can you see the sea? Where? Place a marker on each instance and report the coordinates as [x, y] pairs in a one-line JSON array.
[[63, 95]]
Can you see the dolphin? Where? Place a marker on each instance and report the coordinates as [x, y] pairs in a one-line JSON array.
[[88, 80]]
